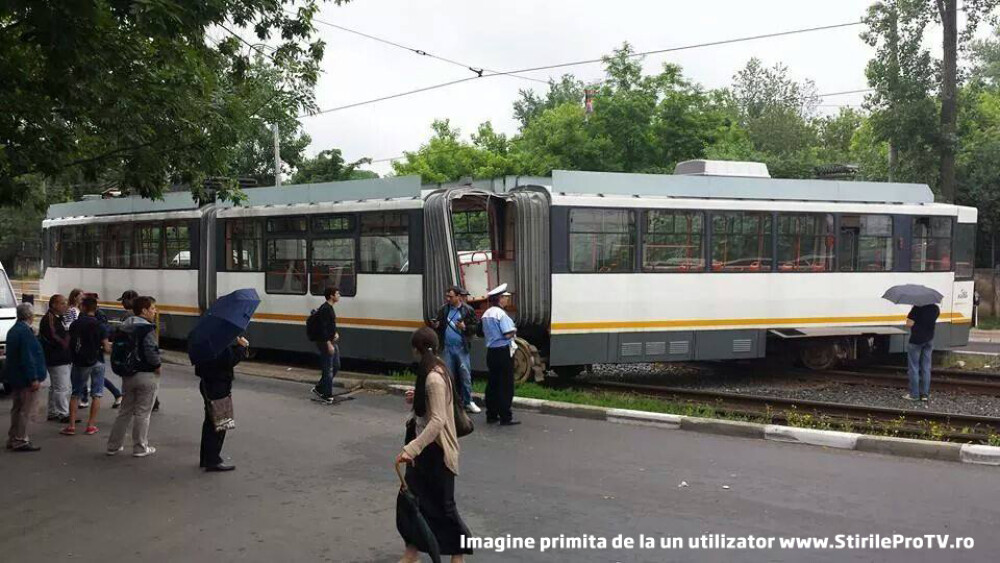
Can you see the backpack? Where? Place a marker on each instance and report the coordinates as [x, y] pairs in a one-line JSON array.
[[313, 327], [126, 352], [85, 347]]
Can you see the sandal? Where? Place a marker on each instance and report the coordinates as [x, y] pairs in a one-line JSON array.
[[68, 431]]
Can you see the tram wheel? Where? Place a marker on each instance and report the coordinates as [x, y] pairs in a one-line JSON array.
[[528, 365], [820, 356]]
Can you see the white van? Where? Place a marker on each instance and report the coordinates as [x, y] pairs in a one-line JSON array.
[[8, 312]]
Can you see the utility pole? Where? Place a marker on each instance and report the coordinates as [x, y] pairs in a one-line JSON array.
[[893, 44], [948, 10], [277, 156]]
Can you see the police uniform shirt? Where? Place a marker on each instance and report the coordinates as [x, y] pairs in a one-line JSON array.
[[496, 323]]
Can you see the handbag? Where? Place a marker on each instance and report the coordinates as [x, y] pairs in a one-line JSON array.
[[463, 423], [222, 414]]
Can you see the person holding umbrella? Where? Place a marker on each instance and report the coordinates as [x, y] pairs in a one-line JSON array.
[[921, 321], [215, 345], [432, 454], [217, 384]]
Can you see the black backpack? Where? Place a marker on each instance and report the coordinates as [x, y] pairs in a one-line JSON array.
[[126, 351], [313, 327]]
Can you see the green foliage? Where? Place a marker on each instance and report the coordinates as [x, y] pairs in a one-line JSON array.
[[139, 93], [568, 90], [329, 166], [447, 158]]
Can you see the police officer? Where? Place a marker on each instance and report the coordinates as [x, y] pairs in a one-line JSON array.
[[499, 331]]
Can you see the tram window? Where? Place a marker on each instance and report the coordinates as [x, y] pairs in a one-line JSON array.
[[331, 264], [385, 243], [471, 230], [286, 225], [286, 266], [805, 242], [72, 247], [55, 246], [931, 247], [965, 250], [333, 224], [865, 243], [177, 246], [741, 242], [147, 245], [119, 245], [673, 241], [93, 246], [243, 245], [602, 240]]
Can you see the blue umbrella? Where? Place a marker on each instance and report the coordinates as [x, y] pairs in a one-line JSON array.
[[226, 319]]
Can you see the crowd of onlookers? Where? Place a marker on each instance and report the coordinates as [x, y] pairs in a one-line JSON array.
[[69, 358]]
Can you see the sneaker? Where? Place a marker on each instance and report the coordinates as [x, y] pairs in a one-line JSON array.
[[68, 431], [473, 408], [909, 397], [150, 450], [26, 447], [85, 404], [56, 418], [924, 398], [327, 398], [117, 403], [115, 452], [90, 431]]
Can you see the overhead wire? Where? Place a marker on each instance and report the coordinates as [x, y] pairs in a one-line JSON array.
[[582, 62]]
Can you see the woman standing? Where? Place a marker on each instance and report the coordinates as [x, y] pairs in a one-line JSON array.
[[499, 331], [73, 309], [433, 453], [217, 383]]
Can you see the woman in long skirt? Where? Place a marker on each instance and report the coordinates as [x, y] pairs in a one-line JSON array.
[[433, 454]]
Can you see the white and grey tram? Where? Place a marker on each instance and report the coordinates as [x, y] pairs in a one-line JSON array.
[[715, 262]]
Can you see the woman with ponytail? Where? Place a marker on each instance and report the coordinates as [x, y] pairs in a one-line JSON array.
[[432, 456]]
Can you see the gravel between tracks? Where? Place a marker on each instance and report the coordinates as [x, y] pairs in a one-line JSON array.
[[754, 380]]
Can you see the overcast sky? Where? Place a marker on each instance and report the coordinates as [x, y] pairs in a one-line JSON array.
[[523, 33]]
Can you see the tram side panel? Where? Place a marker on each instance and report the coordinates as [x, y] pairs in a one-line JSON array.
[[374, 324]]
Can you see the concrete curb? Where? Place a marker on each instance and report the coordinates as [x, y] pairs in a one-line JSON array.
[[904, 447], [825, 438]]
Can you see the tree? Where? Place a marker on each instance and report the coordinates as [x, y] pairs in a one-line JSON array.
[[567, 90], [140, 91], [329, 166], [446, 158]]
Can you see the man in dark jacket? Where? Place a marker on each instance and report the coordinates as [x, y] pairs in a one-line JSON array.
[[87, 343], [217, 383], [55, 343], [24, 373], [456, 323], [326, 345]]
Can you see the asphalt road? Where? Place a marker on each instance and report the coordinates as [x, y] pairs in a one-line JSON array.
[[315, 483]]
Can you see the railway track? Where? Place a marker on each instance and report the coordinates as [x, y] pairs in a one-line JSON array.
[[950, 380], [917, 422]]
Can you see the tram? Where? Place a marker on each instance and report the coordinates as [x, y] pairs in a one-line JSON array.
[[715, 262]]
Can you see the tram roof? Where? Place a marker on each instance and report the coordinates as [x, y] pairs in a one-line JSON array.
[[728, 187]]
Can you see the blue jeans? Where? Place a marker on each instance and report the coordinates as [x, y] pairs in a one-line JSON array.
[[918, 358], [81, 376], [458, 362], [329, 365]]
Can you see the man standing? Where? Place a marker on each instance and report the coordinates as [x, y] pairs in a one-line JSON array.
[[139, 389], [323, 331], [455, 324], [499, 330], [24, 373], [921, 322], [87, 342], [55, 343]]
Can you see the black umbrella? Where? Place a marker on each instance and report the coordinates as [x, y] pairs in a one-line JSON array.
[[412, 525], [912, 294]]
